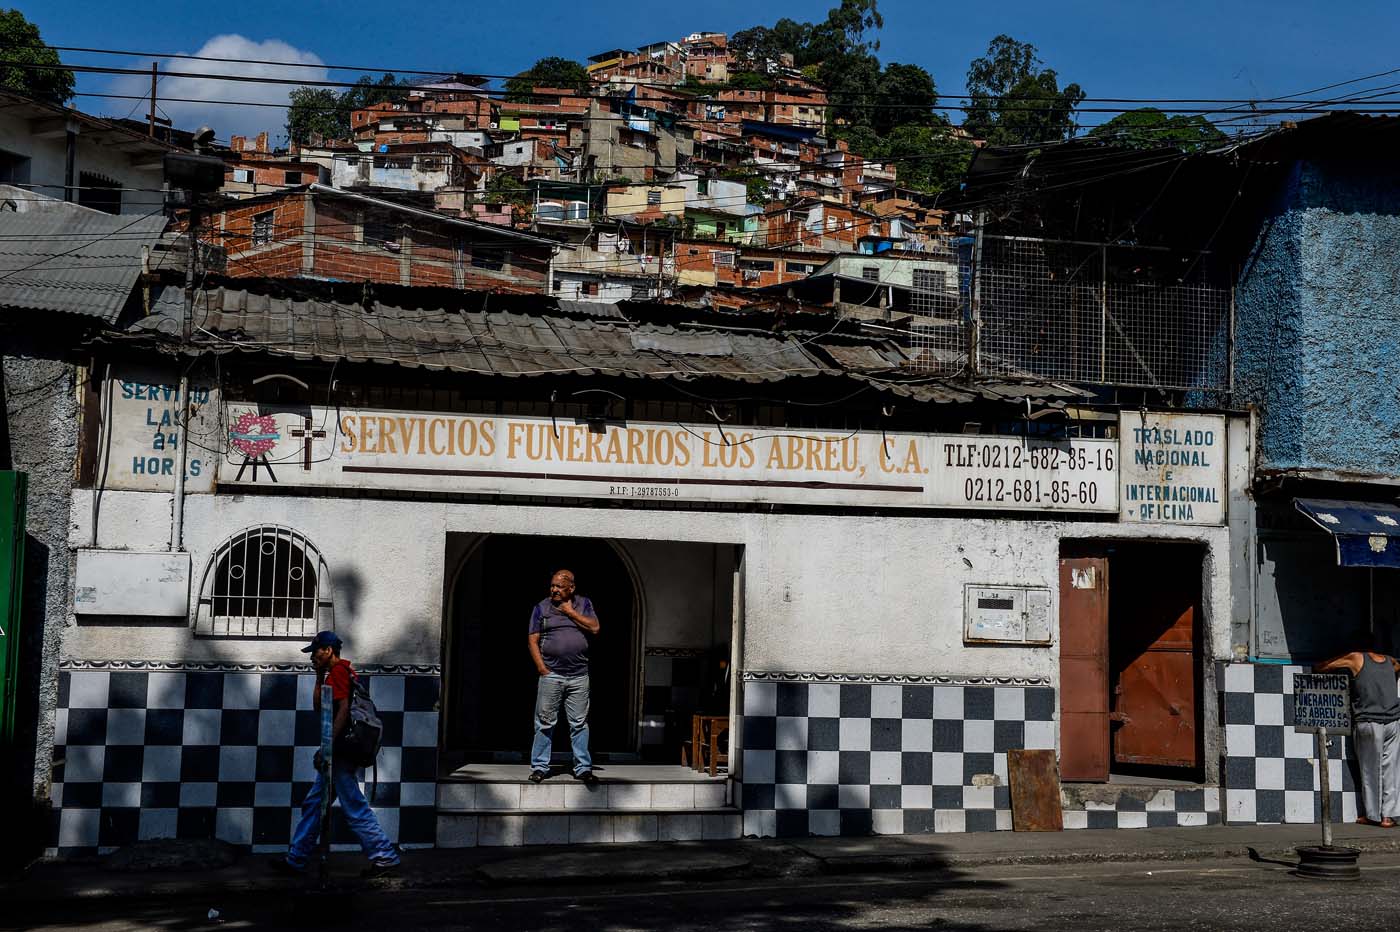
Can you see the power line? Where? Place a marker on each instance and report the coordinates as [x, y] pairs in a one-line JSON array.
[[486, 94], [658, 85]]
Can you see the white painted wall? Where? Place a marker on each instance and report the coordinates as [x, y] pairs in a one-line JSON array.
[[858, 593], [48, 163]]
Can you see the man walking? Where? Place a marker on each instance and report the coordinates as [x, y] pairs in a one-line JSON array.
[[560, 629], [1375, 715], [383, 855]]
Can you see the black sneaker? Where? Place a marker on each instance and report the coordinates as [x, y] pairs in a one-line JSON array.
[[538, 776], [379, 869], [587, 778], [283, 866]]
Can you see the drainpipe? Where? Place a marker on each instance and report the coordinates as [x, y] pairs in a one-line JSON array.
[[177, 520]]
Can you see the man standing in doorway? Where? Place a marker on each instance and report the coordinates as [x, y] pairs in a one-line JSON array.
[[560, 629], [1375, 715]]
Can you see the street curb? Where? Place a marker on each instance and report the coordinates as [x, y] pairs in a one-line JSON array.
[[847, 864]]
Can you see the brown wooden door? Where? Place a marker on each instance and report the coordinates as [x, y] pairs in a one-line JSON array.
[[1154, 698], [1084, 669]]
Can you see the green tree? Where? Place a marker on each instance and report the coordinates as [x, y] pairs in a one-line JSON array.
[[844, 32], [321, 111], [1016, 101], [367, 92], [1149, 128], [21, 44], [851, 81], [315, 111], [552, 71], [752, 49], [507, 189], [905, 96], [928, 158]]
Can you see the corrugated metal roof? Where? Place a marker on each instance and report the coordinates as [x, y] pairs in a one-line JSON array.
[[72, 260], [502, 343]]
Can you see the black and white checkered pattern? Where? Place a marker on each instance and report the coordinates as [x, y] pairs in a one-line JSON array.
[[199, 753], [850, 758], [1270, 772], [1165, 808]]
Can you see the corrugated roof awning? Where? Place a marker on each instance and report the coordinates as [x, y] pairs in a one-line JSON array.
[[1367, 533]]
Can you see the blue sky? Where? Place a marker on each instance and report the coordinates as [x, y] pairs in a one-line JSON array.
[[1126, 49]]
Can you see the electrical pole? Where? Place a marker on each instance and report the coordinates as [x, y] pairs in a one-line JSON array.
[[151, 119]]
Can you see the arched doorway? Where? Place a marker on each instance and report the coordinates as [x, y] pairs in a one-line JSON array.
[[491, 678]]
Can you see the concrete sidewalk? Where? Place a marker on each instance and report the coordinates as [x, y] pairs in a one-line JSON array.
[[214, 873]]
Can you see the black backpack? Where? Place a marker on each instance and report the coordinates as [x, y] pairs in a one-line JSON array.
[[359, 745]]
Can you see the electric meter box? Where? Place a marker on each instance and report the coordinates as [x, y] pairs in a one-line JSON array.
[[1007, 615]]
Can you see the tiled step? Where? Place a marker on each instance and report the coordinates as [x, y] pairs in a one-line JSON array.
[[567, 795], [501, 828]]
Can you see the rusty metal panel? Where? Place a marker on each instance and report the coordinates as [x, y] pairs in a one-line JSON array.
[[1035, 791], [1084, 747]]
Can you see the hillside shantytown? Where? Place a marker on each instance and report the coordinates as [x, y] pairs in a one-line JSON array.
[[880, 477]]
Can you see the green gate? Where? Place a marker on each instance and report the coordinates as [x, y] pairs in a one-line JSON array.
[[12, 498]]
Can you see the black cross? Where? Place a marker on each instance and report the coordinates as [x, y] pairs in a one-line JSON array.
[[306, 434]]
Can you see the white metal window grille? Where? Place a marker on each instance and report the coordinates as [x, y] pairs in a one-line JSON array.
[[654, 197], [267, 582], [870, 273], [262, 228], [723, 260]]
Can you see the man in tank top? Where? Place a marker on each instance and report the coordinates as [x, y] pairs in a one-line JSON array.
[[1375, 716]]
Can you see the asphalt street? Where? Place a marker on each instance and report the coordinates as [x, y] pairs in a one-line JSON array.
[[1214, 894]]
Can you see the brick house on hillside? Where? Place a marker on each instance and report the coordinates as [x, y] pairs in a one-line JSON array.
[[333, 235]]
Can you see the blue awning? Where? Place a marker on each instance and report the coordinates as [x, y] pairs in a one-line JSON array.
[[1367, 533]]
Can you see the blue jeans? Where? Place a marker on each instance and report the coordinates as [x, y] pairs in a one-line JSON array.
[[375, 843], [572, 691]]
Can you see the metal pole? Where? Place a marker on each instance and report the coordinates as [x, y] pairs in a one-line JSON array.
[[1103, 313], [974, 312], [151, 119], [1324, 780]]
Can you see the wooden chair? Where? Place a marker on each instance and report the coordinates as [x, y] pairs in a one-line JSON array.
[[707, 752]]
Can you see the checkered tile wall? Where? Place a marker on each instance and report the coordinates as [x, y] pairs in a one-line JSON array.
[[850, 758], [216, 753], [1270, 774]]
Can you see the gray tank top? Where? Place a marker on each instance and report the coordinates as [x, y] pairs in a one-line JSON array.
[[1374, 697]]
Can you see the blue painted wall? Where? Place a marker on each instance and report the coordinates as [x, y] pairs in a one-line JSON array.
[[1317, 341]]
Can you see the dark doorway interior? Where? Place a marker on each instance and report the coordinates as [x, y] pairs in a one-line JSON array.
[[491, 681], [1148, 668]]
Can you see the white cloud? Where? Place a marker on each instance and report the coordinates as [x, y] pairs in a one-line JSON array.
[[226, 120]]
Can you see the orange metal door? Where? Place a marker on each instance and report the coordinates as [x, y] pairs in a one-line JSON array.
[[1084, 669], [1154, 698]]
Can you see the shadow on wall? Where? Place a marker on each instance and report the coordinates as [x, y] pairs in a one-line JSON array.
[[222, 752]]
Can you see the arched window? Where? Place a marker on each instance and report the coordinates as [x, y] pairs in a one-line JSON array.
[[267, 581]]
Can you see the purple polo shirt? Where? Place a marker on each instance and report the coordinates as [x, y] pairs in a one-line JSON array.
[[563, 644]]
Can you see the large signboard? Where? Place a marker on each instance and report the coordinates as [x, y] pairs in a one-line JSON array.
[[1322, 700], [1173, 469], [143, 437], [415, 450]]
